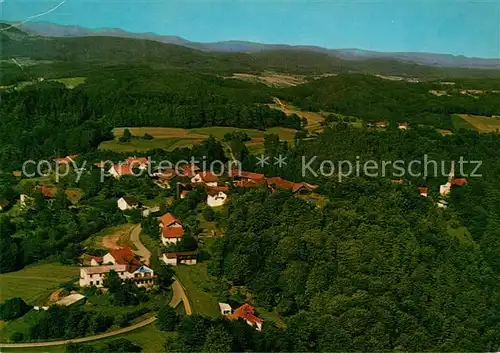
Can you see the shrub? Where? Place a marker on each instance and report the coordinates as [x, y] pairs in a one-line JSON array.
[[13, 308]]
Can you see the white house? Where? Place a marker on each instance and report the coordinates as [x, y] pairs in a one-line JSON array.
[[142, 276], [403, 126], [207, 178], [127, 203], [225, 309], [180, 258], [171, 229], [216, 196]]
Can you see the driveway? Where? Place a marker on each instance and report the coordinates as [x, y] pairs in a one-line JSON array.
[[141, 251]]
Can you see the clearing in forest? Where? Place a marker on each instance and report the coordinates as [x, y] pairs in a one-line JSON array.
[[482, 123], [172, 138]]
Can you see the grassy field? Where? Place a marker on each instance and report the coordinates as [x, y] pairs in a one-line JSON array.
[[148, 337], [71, 82], [482, 123], [197, 283], [460, 123], [172, 138], [35, 283], [313, 119]]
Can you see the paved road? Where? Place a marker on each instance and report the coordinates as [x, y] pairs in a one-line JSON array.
[[80, 340], [142, 251]]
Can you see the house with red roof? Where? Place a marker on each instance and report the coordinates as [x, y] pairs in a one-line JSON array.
[[403, 126], [277, 183], [171, 229], [119, 170], [122, 256], [217, 195], [445, 189], [189, 170], [66, 160], [124, 262], [137, 162], [207, 178], [247, 176], [246, 312], [423, 190]]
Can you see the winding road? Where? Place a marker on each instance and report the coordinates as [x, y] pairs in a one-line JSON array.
[[141, 251], [178, 296]]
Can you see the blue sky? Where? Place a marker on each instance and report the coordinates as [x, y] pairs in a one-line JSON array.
[[470, 28]]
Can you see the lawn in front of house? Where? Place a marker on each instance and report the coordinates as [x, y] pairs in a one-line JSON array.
[[35, 282]]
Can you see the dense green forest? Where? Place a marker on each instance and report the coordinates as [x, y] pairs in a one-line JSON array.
[[47, 119], [377, 267], [376, 99]]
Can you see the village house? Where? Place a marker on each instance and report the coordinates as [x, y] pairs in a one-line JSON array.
[[397, 181], [48, 192], [17, 173], [127, 203], [184, 194], [119, 170], [225, 309], [217, 196], [189, 170], [137, 162], [142, 276], [124, 262], [423, 191], [445, 189], [245, 312], [381, 124], [403, 126], [247, 179], [66, 160], [171, 229], [164, 178], [96, 260], [277, 183], [180, 258], [207, 178]]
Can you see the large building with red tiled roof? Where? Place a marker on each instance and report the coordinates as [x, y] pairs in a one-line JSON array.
[[124, 262]]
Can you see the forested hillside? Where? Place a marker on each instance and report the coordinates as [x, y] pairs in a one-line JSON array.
[[376, 99], [47, 119], [378, 267]]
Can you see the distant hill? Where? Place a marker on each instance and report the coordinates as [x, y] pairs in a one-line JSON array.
[[439, 60], [116, 49]]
